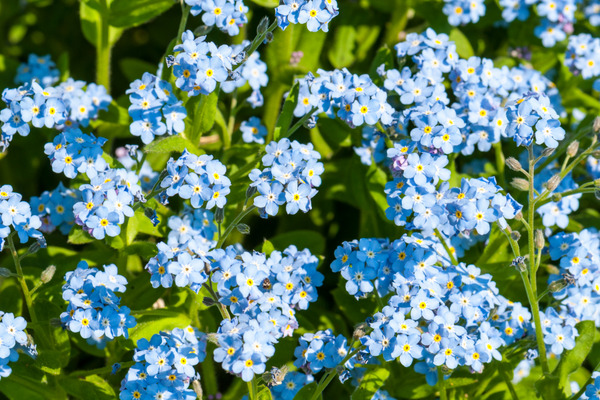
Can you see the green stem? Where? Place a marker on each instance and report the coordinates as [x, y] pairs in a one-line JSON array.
[[500, 163], [215, 297], [584, 387], [231, 122], [233, 224], [442, 385], [450, 254], [103, 47], [566, 193], [257, 42], [253, 389], [509, 384], [185, 12], [300, 122], [21, 278]]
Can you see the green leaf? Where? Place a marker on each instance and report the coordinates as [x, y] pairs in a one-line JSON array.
[[463, 46], [204, 110], [306, 393], [129, 13], [267, 248], [153, 321], [267, 3], [370, 383], [571, 360], [547, 387], [91, 387], [383, 56], [90, 22], [311, 240], [115, 114], [287, 114], [265, 394], [131, 230], [172, 144], [79, 236], [53, 342], [342, 53], [133, 68]]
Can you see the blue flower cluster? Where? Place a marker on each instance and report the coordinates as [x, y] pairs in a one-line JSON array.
[[414, 194], [227, 15], [440, 316], [534, 111], [72, 152], [65, 106], [55, 209], [182, 258], [578, 255], [152, 101], [593, 167], [353, 98], [592, 391], [39, 68], [12, 336], [583, 56], [253, 131], [291, 176], [106, 201], [263, 294], [316, 14], [372, 146], [320, 350], [17, 213], [557, 212], [164, 367], [130, 158], [462, 12], [197, 178], [93, 309], [252, 71], [592, 12]]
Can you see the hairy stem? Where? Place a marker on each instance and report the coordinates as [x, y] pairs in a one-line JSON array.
[[21, 278]]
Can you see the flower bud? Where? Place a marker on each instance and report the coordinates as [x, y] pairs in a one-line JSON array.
[[55, 322], [243, 229], [519, 216], [515, 235], [208, 301], [548, 152], [219, 215], [269, 37], [556, 197], [360, 330], [5, 273], [203, 30], [35, 247], [514, 164], [263, 25], [519, 263], [539, 239], [251, 191], [446, 370], [213, 338], [159, 304], [596, 125], [597, 193], [520, 184], [558, 285], [197, 387], [553, 182], [48, 273], [573, 148], [207, 268]]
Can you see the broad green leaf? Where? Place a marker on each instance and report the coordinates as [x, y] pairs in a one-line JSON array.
[[53, 342], [370, 383], [342, 52], [355, 310], [90, 24], [138, 295], [145, 250], [91, 387], [267, 247], [548, 389], [28, 382], [153, 321], [265, 394], [204, 111], [129, 13], [307, 392], [571, 360], [115, 242], [79, 236], [134, 68], [267, 3], [172, 144], [63, 66], [311, 240], [116, 114], [463, 46], [131, 230], [287, 114]]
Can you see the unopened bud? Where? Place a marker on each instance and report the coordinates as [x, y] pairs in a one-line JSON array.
[[263, 26], [515, 236], [519, 216], [553, 182], [360, 330], [207, 268], [5, 273], [213, 338], [519, 263], [573, 148], [596, 154], [558, 285], [596, 125], [556, 197], [48, 274], [197, 389], [446, 370], [269, 37], [219, 215], [520, 184], [55, 322], [243, 229], [514, 164], [251, 191], [35, 247], [539, 239], [208, 301], [597, 193], [203, 30], [548, 152]]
